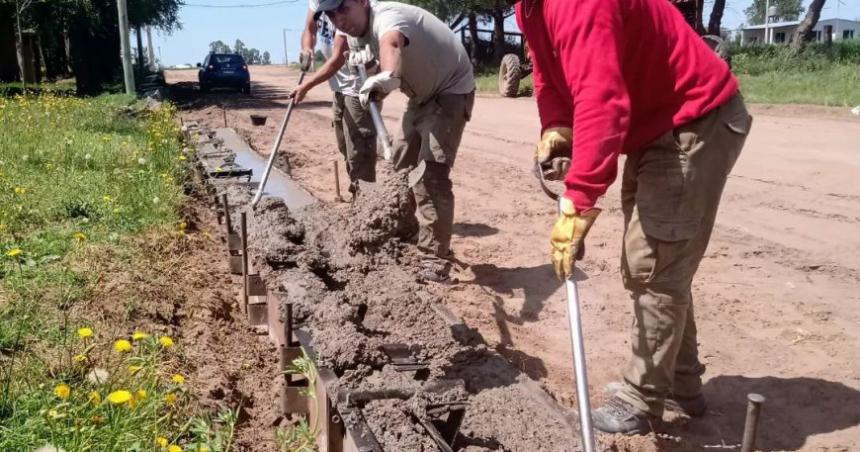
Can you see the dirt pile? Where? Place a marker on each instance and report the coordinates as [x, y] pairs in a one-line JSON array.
[[346, 273]]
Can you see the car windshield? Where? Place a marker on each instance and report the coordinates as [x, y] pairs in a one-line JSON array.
[[233, 60]]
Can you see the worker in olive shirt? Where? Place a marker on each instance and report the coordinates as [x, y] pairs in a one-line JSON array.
[[419, 54], [353, 126]]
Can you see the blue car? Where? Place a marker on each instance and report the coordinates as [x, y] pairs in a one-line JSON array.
[[224, 71]]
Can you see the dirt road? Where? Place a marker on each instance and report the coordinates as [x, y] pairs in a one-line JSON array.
[[776, 295]]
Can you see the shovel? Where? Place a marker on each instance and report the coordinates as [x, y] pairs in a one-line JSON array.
[[375, 114], [274, 152], [575, 324]]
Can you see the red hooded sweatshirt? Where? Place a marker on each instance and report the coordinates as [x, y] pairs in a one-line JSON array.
[[621, 73]]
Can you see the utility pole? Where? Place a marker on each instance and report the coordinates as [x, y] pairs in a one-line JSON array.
[[286, 58], [125, 47], [766, 21]]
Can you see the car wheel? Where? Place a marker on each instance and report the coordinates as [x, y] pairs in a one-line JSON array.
[[204, 88], [246, 89]]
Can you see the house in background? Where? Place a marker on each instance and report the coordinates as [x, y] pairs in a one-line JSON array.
[[781, 32]]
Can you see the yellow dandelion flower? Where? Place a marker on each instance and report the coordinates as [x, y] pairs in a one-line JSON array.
[[170, 399], [122, 346], [140, 394], [165, 341], [85, 332], [174, 448], [107, 198], [95, 398], [139, 336], [20, 191], [119, 397], [178, 379], [161, 441], [181, 158], [203, 449], [79, 358], [62, 391], [79, 236], [14, 252], [134, 369]]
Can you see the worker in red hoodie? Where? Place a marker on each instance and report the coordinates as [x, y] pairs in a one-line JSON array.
[[631, 77]]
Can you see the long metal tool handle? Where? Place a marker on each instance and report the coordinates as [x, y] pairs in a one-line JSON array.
[[274, 152], [574, 318], [378, 124]]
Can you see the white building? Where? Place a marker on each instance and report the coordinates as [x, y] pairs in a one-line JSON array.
[[782, 32]]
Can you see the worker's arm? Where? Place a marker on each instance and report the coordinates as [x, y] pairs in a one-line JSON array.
[[391, 46], [327, 71], [554, 110], [309, 40], [587, 36]]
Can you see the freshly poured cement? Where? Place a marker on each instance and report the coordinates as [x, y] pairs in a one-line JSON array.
[[346, 273]]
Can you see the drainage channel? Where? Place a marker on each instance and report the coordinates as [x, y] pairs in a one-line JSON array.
[[227, 161]]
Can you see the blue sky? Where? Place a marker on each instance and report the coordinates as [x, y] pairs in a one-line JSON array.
[[262, 27]]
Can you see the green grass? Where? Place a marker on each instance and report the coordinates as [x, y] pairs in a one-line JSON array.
[[78, 175], [837, 85]]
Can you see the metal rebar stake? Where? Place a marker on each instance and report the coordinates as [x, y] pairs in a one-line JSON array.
[[338, 197], [754, 402], [243, 225]]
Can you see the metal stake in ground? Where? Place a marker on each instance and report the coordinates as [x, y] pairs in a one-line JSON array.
[[243, 225], [751, 427], [277, 144]]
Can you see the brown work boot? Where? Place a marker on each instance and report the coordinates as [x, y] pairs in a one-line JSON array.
[[619, 416]]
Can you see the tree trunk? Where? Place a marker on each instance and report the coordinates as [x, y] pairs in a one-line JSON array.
[[801, 35], [141, 65], [715, 24], [700, 12], [473, 34], [8, 56], [19, 40], [499, 31]]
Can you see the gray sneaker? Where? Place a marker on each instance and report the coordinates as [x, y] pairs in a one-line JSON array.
[[618, 416], [433, 271]]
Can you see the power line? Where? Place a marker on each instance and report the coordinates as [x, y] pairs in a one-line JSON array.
[[247, 5]]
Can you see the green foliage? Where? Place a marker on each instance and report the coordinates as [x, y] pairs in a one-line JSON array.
[[821, 74], [251, 55], [296, 438], [788, 10]]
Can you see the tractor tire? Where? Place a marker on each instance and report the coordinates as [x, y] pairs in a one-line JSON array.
[[510, 74]]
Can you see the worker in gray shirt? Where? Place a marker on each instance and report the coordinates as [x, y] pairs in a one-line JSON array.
[[353, 126], [420, 55]]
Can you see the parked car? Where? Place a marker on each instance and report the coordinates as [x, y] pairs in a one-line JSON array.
[[221, 70]]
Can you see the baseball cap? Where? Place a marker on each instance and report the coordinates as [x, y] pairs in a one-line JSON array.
[[319, 6]]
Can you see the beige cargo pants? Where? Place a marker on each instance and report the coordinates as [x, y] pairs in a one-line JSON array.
[[669, 195], [356, 138], [427, 144]]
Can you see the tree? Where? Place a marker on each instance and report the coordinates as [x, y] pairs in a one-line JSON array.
[[240, 49], [267, 59], [788, 10], [219, 47], [804, 30], [20, 7], [715, 24]]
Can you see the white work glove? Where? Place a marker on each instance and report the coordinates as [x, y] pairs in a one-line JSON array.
[[378, 86]]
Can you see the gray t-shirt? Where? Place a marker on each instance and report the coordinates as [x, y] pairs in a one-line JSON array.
[[434, 60]]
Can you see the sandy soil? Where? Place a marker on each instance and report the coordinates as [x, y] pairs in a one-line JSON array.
[[776, 295]]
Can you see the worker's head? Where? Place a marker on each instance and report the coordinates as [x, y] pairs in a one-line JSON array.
[[349, 16]]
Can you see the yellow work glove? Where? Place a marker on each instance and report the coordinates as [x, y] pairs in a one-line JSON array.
[[554, 151], [568, 236]]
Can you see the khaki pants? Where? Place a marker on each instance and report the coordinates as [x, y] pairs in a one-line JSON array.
[[427, 144], [670, 194], [356, 138]]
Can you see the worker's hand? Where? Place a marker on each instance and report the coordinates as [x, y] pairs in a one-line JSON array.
[[306, 58], [554, 151], [377, 87], [568, 236], [361, 57], [300, 92]]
